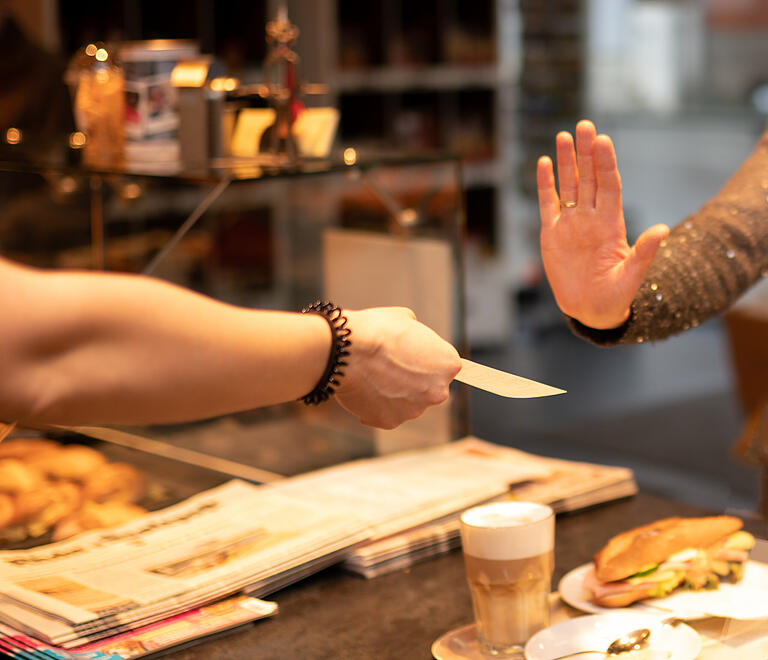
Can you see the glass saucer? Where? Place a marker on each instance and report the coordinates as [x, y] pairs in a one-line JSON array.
[[460, 644]]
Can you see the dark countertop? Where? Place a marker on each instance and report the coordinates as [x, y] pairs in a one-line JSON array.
[[337, 616]]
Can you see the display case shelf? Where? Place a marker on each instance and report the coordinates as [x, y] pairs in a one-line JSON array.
[[441, 77]]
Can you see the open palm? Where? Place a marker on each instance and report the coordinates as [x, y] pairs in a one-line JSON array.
[[593, 271]]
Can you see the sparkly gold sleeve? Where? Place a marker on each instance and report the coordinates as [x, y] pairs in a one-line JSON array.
[[706, 263]]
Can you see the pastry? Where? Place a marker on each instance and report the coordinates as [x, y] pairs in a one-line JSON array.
[[70, 462], [114, 482], [19, 477], [96, 515]]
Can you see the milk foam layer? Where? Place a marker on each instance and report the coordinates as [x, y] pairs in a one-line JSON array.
[[508, 530]]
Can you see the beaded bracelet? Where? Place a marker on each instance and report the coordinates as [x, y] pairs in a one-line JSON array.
[[339, 344]]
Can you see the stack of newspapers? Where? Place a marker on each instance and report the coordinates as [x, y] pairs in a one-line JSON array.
[[174, 632], [564, 485], [241, 537], [227, 539]]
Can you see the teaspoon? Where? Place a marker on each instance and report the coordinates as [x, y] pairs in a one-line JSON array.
[[632, 641]]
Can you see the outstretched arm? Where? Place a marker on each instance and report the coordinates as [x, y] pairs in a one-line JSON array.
[[93, 348], [594, 273]]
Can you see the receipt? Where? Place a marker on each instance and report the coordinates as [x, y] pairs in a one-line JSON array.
[[501, 382]]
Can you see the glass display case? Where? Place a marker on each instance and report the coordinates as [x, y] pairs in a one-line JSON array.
[[361, 230]]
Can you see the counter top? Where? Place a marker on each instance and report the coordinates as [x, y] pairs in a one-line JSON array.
[[335, 615]]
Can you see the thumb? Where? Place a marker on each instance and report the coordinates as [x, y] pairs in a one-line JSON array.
[[645, 249]]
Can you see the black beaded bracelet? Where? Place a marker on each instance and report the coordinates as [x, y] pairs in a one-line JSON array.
[[339, 344]]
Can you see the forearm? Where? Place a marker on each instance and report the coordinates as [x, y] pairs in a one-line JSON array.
[[83, 348], [706, 263]]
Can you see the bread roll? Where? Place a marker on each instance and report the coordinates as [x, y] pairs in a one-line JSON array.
[[24, 447], [95, 515], [30, 504], [65, 498], [70, 488], [71, 462], [7, 510], [114, 482], [639, 548], [18, 477]]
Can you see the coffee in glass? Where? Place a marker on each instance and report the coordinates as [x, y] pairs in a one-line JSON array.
[[509, 557]]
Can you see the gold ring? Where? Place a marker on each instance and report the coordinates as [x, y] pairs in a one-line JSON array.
[[567, 205]]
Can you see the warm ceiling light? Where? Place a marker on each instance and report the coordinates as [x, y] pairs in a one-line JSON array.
[[224, 84], [350, 156], [408, 217], [102, 55], [190, 73], [130, 191], [77, 139], [13, 136], [91, 49], [67, 185]]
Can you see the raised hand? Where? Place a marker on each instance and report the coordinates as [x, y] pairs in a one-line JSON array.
[[397, 367], [593, 271]]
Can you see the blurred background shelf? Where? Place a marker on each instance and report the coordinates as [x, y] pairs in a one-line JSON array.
[[680, 85]]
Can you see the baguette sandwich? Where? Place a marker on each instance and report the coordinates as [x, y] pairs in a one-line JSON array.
[[653, 560]]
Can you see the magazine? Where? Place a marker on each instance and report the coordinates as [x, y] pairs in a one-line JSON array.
[[214, 619]]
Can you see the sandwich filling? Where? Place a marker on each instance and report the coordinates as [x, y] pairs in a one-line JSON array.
[[692, 568]]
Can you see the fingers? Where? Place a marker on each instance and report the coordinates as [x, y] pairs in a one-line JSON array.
[[608, 197], [408, 312], [585, 138], [398, 367], [567, 169], [646, 245], [645, 249], [549, 202], [391, 417], [577, 171], [397, 411]]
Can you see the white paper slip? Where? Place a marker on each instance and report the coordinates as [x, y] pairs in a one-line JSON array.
[[502, 383]]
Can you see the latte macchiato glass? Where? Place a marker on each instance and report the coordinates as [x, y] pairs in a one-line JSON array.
[[509, 556]]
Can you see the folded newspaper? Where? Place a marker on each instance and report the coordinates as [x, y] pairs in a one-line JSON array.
[[174, 632], [568, 486], [255, 538]]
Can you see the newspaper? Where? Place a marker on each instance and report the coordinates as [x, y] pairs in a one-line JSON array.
[[211, 545], [176, 631], [402, 490], [567, 486]]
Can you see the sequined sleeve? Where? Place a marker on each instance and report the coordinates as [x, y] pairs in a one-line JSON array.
[[706, 263]]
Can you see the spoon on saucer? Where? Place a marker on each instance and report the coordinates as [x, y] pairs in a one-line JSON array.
[[632, 641]]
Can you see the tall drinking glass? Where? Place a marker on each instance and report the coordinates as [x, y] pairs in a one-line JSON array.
[[509, 557]]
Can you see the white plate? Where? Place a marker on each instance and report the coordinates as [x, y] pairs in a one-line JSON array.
[[746, 600], [596, 632]]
